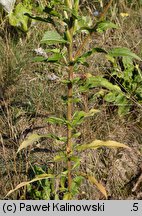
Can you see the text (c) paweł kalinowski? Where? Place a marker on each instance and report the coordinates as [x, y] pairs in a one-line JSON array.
[[67, 207]]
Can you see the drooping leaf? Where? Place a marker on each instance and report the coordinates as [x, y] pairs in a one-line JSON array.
[[38, 178], [104, 25], [118, 51], [94, 181], [99, 143], [29, 141], [52, 37], [99, 186]]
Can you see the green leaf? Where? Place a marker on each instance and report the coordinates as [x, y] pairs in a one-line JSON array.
[[99, 143], [60, 157], [116, 52], [39, 59], [78, 118], [55, 120], [82, 58], [123, 104], [76, 160], [54, 58], [18, 19], [38, 178], [104, 25], [98, 81], [110, 97], [76, 135], [52, 37]]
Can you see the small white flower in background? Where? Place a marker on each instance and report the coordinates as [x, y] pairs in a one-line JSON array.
[[7, 5], [39, 51], [52, 77]]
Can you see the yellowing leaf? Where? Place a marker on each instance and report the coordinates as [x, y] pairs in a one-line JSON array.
[[22, 184], [67, 196], [124, 14], [99, 143], [29, 141], [88, 75], [94, 181], [99, 186]]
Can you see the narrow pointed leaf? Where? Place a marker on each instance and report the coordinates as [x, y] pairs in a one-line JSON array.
[[104, 25], [94, 181], [98, 185], [116, 52], [22, 184], [99, 143], [56, 120], [29, 141]]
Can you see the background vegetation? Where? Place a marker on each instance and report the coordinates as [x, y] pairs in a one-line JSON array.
[[30, 92]]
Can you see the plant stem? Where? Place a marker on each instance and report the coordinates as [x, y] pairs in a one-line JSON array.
[[69, 106], [69, 129]]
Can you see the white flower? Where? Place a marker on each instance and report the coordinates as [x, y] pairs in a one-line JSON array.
[[52, 77], [7, 5], [41, 52]]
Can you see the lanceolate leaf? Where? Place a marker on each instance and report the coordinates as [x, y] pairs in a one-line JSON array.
[[60, 157], [29, 141], [52, 37], [80, 115], [55, 120], [38, 178], [99, 81], [99, 186], [99, 143], [82, 58], [116, 52], [103, 26], [94, 181]]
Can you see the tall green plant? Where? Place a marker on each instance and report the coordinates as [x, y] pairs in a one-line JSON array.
[[66, 21]]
